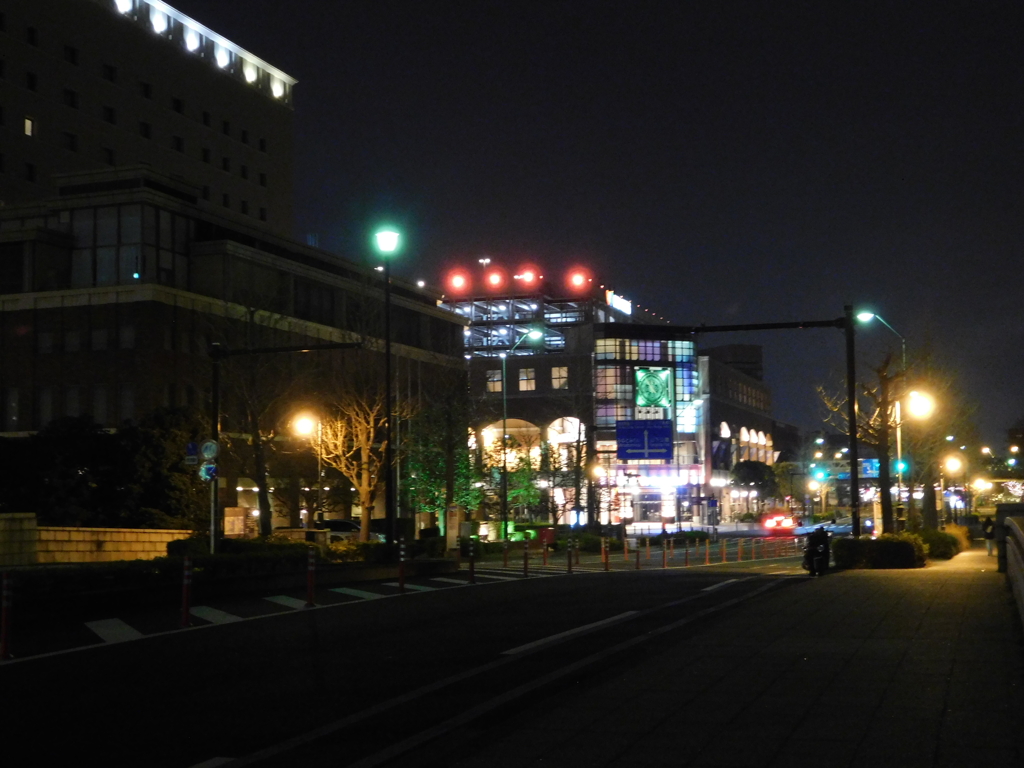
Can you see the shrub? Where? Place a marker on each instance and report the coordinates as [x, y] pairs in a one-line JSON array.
[[962, 533], [901, 550], [941, 545], [849, 552], [354, 551]]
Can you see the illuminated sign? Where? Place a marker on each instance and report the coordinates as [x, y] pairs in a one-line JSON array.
[[654, 387], [612, 299]]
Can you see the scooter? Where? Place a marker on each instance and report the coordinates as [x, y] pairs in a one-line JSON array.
[[815, 559]]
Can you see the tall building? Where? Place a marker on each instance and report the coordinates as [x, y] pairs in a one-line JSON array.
[[561, 398], [145, 174]]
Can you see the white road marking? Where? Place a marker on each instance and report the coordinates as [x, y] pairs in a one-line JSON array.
[[417, 587], [719, 584], [356, 593], [499, 578], [288, 602], [461, 582], [113, 630], [213, 615], [567, 633], [213, 762]]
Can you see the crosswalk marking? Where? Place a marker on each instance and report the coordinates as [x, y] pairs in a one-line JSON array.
[[289, 602], [499, 578], [213, 615], [450, 581], [113, 630], [417, 587], [362, 593]]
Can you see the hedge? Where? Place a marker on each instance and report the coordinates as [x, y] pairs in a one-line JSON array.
[[899, 550]]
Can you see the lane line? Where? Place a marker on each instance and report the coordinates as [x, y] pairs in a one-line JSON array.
[[213, 615], [288, 602], [568, 633], [417, 587], [405, 698], [719, 584], [113, 630], [362, 593]]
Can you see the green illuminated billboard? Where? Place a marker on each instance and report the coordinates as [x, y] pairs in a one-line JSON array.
[[654, 387]]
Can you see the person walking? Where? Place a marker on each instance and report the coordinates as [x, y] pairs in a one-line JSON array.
[[988, 528]]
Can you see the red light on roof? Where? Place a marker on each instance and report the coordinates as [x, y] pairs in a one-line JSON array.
[[458, 281], [495, 279], [578, 279]]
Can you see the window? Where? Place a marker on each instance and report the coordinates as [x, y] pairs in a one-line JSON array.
[[11, 403], [263, 145], [31, 37], [225, 163], [127, 410], [206, 119], [70, 54], [73, 401], [30, 126], [110, 73], [99, 339], [245, 207], [527, 379], [45, 406], [263, 179], [178, 106], [99, 404], [226, 128], [206, 154], [3, 72], [494, 380], [245, 136], [73, 341], [30, 80], [109, 116], [126, 338], [44, 342], [263, 211], [70, 142], [244, 170], [30, 172], [147, 90], [226, 200], [178, 143], [206, 193], [108, 155], [559, 377], [70, 98], [145, 130]]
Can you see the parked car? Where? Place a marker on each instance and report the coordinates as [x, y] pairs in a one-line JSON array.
[[780, 525], [347, 529]]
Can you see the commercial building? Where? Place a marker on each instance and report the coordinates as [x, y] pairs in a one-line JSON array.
[[563, 398]]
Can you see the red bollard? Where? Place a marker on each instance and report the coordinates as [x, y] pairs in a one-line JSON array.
[[186, 592], [739, 549], [526, 558], [648, 544], [722, 553], [638, 558], [664, 555], [311, 578], [401, 564], [707, 551], [6, 600], [625, 548]]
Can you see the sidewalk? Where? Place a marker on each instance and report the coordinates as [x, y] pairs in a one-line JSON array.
[[862, 669]]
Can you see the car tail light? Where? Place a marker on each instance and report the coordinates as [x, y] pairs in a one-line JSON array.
[[770, 522], [787, 522]]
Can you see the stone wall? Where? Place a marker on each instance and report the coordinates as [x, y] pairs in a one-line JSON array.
[[22, 542], [18, 539]]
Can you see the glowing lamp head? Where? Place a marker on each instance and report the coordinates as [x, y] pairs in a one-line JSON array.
[[458, 282], [577, 279], [386, 240], [953, 464], [920, 405], [534, 334], [304, 425], [865, 317]]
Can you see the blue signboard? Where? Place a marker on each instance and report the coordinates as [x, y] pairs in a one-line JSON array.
[[644, 439]]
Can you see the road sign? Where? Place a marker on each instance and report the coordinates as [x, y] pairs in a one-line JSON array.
[[192, 454], [209, 450], [644, 439], [208, 471]]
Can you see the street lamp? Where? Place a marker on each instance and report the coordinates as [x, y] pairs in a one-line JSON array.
[[953, 466], [532, 334], [387, 240], [867, 317], [306, 426]]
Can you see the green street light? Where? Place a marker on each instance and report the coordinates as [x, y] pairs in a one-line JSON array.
[[387, 241]]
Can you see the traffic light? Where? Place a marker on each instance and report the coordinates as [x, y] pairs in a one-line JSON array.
[[820, 474], [900, 466]]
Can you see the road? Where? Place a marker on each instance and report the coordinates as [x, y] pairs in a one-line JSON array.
[[363, 680]]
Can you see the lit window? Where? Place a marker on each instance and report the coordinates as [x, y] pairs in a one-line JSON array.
[[30, 126], [560, 377], [527, 379], [222, 56], [192, 39], [494, 380]]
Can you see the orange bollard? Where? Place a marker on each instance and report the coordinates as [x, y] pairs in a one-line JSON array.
[[648, 547], [625, 548], [664, 555], [721, 554], [707, 551], [739, 550]]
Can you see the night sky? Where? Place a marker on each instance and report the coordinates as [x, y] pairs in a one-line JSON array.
[[717, 162]]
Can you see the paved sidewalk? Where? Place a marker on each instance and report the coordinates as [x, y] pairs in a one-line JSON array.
[[862, 669]]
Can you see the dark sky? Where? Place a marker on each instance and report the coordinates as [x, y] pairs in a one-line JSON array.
[[719, 162]]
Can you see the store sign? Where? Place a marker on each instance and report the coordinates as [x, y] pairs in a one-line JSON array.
[[653, 387], [650, 413], [625, 306], [643, 440]]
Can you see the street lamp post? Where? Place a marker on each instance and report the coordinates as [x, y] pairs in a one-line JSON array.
[[386, 240], [304, 425], [533, 334]]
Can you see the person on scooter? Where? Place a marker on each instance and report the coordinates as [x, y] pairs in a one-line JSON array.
[[818, 551]]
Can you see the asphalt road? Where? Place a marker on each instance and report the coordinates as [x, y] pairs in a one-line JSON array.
[[363, 681]]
